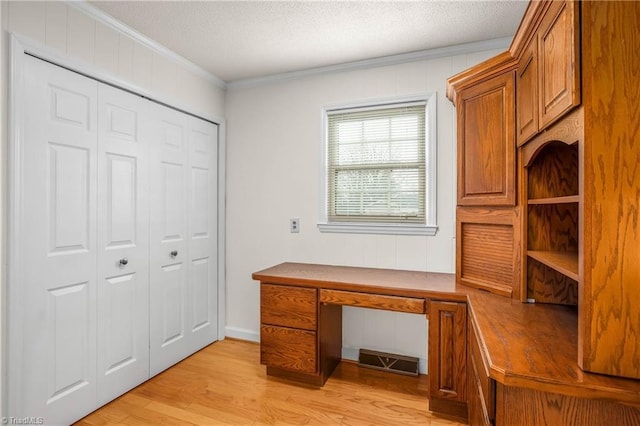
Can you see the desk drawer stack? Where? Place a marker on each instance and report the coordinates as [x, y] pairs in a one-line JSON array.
[[290, 343]]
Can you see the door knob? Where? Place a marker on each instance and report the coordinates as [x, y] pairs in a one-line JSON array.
[[174, 253], [124, 261]]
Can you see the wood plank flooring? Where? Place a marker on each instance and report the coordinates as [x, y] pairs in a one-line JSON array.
[[224, 383]]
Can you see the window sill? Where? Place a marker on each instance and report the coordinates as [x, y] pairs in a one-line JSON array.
[[378, 228]]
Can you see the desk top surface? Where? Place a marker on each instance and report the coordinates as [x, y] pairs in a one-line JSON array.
[[366, 280], [528, 345]]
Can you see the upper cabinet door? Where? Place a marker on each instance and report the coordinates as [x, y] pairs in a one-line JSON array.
[[558, 61], [486, 143], [527, 93]]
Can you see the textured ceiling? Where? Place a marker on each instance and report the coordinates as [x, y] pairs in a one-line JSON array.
[[236, 40]]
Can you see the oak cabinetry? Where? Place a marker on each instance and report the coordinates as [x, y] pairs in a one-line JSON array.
[[299, 338], [486, 151], [486, 218], [482, 389], [548, 75], [559, 61], [609, 325], [527, 93], [448, 358], [552, 199], [488, 248]]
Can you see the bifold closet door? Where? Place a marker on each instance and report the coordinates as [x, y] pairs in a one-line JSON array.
[[113, 251], [53, 306], [124, 128], [183, 230]]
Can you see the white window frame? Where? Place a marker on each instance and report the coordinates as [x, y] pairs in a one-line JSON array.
[[429, 227]]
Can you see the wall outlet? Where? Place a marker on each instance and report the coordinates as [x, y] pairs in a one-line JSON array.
[[294, 225]]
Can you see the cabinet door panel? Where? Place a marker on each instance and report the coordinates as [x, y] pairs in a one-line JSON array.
[[486, 143], [527, 93], [558, 62], [448, 354]]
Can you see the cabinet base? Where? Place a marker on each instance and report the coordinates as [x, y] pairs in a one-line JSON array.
[[307, 379], [450, 408]]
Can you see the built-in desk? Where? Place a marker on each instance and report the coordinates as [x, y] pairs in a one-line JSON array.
[[512, 363], [301, 321]]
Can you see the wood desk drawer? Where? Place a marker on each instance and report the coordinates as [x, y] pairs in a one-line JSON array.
[[487, 384], [288, 306], [288, 348], [375, 301]]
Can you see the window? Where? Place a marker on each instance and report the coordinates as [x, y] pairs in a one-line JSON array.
[[379, 177]]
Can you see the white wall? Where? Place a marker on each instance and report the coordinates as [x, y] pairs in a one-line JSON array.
[[274, 135], [71, 31]]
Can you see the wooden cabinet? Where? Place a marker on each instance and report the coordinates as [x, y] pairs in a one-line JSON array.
[[448, 358], [482, 389], [559, 61], [548, 75], [609, 324], [488, 249], [300, 339], [527, 93], [486, 149], [551, 199]]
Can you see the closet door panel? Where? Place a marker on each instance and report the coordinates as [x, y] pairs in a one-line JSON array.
[[168, 239], [123, 241], [52, 349], [202, 228]]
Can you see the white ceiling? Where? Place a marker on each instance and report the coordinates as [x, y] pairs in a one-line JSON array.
[[237, 40]]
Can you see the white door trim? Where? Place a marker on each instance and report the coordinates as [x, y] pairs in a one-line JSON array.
[[19, 46]]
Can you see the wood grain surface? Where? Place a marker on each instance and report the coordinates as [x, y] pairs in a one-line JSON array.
[[364, 280], [547, 285], [225, 384], [481, 378], [610, 324], [517, 406], [554, 171], [488, 248], [365, 300], [558, 61], [486, 143], [569, 130], [527, 93], [553, 227], [535, 346], [288, 348], [447, 357], [288, 306]]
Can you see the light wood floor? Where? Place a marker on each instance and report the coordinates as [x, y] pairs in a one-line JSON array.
[[225, 384]]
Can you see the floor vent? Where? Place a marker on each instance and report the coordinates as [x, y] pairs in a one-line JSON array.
[[400, 364]]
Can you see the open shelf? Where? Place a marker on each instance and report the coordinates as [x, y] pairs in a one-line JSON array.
[[567, 199], [564, 262]]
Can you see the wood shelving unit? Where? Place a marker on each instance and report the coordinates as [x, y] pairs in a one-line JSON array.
[[564, 262], [567, 199], [552, 216]]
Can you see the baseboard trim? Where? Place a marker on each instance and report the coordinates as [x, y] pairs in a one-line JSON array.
[[242, 334]]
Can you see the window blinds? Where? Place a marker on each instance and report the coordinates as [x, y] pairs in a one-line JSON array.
[[376, 164]]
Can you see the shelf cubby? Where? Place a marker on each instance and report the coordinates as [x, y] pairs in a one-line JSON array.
[[552, 222]]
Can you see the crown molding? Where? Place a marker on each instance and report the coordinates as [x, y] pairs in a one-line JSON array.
[[459, 49], [110, 21]]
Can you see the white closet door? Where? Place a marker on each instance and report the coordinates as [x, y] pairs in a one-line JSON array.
[[202, 233], [123, 242], [57, 357], [168, 239]]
